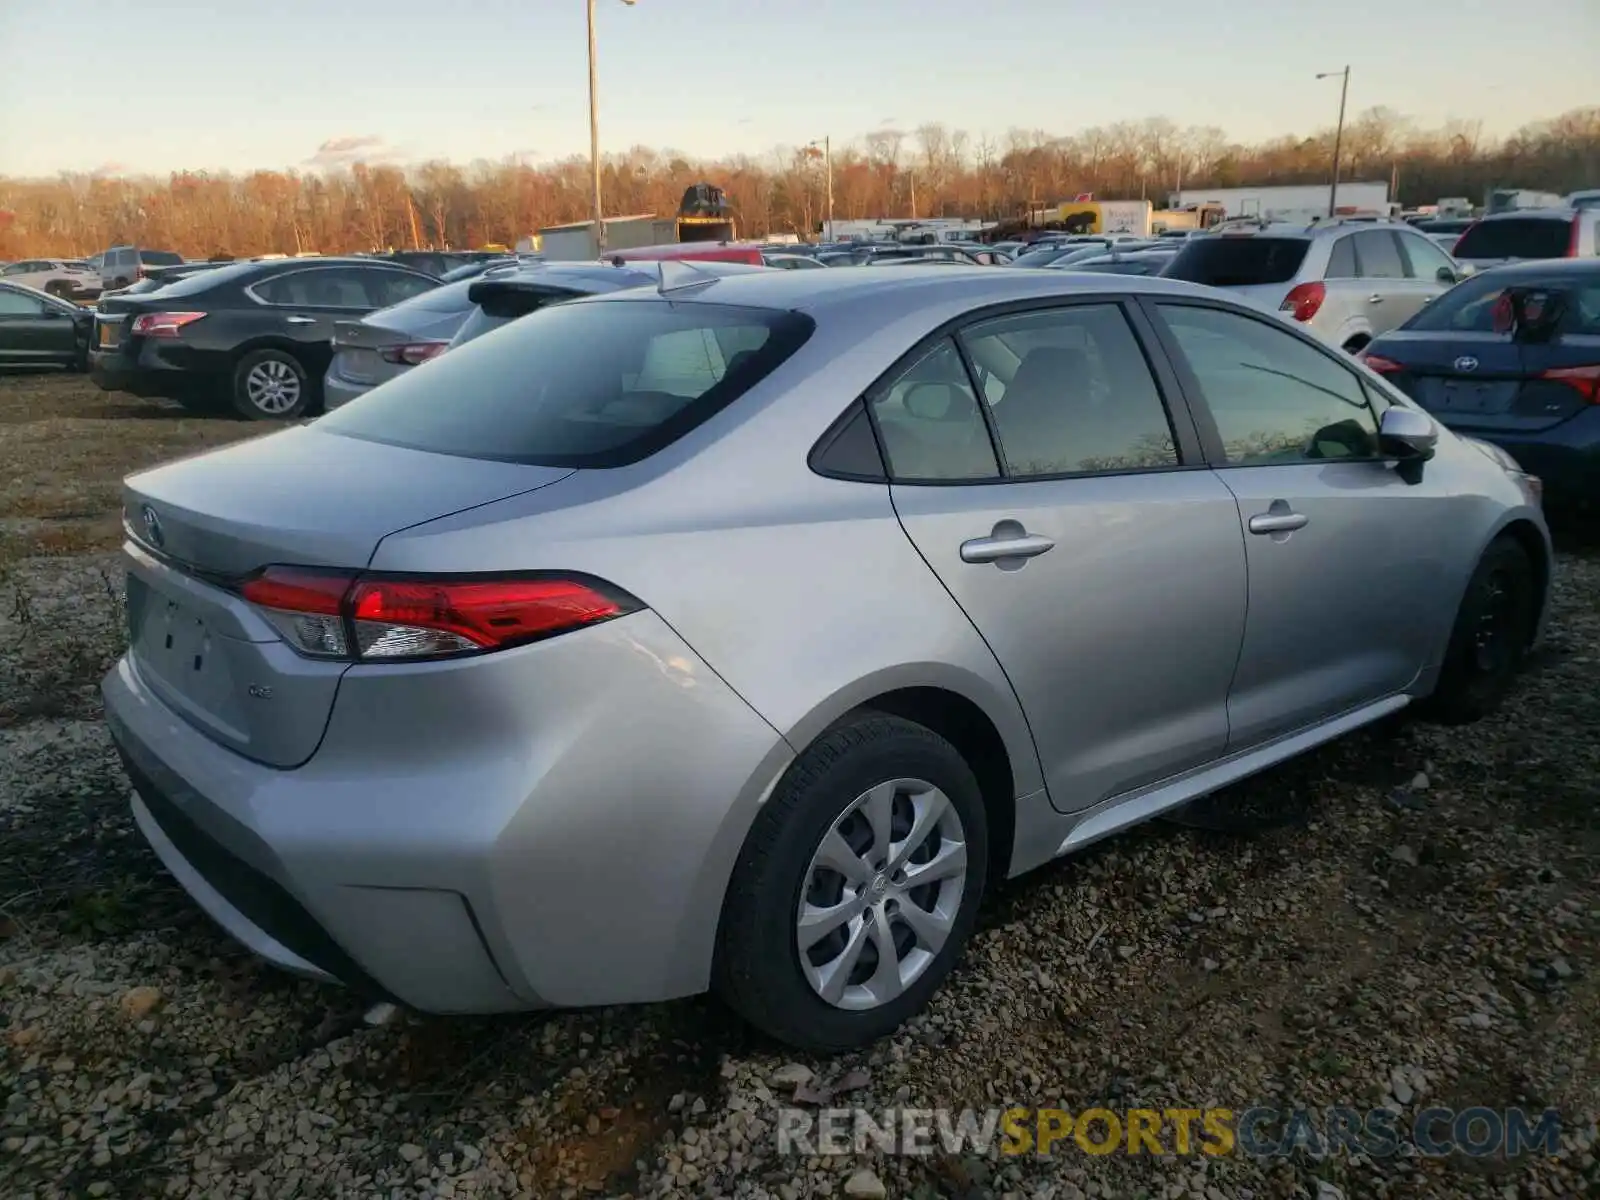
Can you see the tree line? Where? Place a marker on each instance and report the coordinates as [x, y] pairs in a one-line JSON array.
[[931, 171]]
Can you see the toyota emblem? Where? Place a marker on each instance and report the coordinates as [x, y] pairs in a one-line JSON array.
[[1466, 363], [152, 526]]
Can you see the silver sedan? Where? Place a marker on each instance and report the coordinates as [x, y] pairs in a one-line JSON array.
[[742, 632]]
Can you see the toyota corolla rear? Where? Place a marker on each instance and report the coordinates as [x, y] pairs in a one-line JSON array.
[[386, 722]]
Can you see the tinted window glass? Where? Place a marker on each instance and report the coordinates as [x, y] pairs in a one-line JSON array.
[[385, 288], [450, 298], [15, 304], [1070, 391], [579, 385], [1426, 259], [1342, 260], [476, 325], [929, 421], [1274, 398], [159, 258], [324, 287], [850, 448], [1380, 257], [1517, 237], [1223, 261]]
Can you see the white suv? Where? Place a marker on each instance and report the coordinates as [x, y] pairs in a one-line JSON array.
[[1348, 280]]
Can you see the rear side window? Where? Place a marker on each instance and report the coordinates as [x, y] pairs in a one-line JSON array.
[[930, 423], [579, 385], [1223, 261], [1517, 237], [1342, 260], [1379, 255], [159, 258]]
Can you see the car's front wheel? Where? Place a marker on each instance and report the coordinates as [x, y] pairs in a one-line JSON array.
[[857, 887], [271, 385], [1491, 635]]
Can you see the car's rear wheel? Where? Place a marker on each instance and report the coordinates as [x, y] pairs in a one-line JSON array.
[[1491, 635], [271, 385], [59, 288], [857, 887]]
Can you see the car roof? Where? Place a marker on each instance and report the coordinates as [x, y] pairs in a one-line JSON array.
[[1540, 214], [895, 291]]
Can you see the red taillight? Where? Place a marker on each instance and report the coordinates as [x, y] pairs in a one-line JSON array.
[[327, 614], [1378, 362], [1572, 242], [1304, 299], [163, 324], [413, 353], [1586, 379]]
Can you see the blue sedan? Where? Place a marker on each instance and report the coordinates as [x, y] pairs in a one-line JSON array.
[[1512, 356]]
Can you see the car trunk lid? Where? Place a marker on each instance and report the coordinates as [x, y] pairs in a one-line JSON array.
[[358, 346], [1477, 382], [299, 497]]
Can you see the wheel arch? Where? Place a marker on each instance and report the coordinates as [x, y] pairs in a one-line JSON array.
[[1536, 546]]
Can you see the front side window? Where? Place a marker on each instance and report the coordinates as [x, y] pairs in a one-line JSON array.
[[579, 385], [930, 423], [1425, 258], [1071, 392], [1274, 398]]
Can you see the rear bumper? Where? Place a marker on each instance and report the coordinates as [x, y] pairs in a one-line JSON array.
[[338, 391], [480, 837], [114, 371], [1566, 457]]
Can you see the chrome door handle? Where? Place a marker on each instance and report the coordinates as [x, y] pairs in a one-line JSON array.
[[1374, 299], [993, 549], [1278, 522], [300, 320]]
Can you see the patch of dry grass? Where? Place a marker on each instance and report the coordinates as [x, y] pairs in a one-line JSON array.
[[70, 444]]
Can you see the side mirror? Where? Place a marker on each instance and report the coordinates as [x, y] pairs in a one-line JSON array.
[[1407, 433], [1448, 276]]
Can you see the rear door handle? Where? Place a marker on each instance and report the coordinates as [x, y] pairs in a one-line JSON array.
[[1278, 522], [300, 320], [995, 549]]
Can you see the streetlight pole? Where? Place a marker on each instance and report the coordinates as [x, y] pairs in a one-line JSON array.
[[827, 168], [594, 135], [1338, 136]]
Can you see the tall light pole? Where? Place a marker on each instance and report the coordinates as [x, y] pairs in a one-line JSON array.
[[1338, 134], [594, 136], [827, 168]]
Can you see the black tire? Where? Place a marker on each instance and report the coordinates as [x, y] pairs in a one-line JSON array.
[[59, 288], [281, 365], [1491, 635], [758, 972]]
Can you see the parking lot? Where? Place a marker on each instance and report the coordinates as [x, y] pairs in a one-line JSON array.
[[1423, 902]]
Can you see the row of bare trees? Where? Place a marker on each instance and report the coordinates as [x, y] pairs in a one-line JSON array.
[[930, 171]]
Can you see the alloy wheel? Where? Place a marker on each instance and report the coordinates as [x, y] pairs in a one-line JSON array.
[[273, 387], [881, 894]]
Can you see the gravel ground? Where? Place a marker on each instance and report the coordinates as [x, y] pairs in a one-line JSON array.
[[1424, 933]]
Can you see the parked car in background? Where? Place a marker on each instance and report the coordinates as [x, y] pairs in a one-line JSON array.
[[1531, 387], [437, 263], [41, 329], [474, 269], [1135, 262], [1348, 281], [257, 334], [876, 252], [1057, 253], [509, 297], [66, 278], [382, 345], [163, 276], [476, 608], [123, 265], [789, 262], [1521, 234]]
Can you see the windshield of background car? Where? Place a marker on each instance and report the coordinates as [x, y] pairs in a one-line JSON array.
[[1223, 261], [579, 385], [1517, 237]]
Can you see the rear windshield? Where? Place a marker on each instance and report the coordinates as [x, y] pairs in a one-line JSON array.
[[451, 298], [579, 385], [159, 258], [1222, 261], [1517, 237]]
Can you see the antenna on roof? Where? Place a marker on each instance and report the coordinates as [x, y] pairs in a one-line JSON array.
[[682, 276]]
